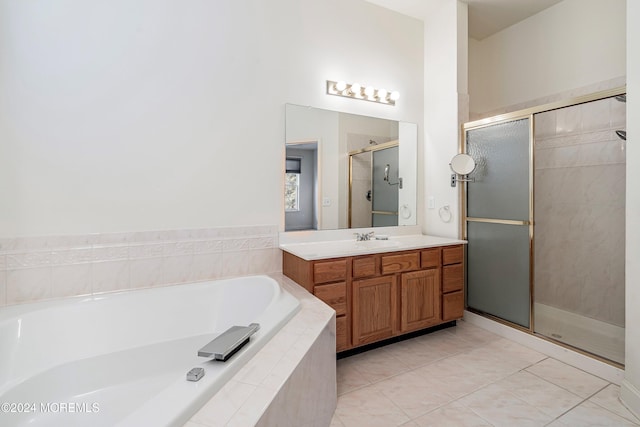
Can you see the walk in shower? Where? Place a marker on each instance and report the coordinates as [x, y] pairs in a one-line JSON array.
[[545, 221]]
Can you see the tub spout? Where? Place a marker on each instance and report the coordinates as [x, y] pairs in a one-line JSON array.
[[229, 342]]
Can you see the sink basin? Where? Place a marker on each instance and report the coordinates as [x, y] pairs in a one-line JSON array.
[[375, 244]]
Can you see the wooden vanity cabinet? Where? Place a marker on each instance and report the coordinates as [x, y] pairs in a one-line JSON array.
[[380, 296]]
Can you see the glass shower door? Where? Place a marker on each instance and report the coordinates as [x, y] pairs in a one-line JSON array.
[[498, 221], [385, 191]]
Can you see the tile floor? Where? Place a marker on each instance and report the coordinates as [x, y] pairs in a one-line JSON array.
[[466, 376]]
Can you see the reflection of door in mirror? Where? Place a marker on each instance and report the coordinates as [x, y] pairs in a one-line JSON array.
[[385, 181], [374, 186], [360, 192], [301, 186]]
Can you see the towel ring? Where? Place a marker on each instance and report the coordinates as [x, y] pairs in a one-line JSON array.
[[445, 213], [405, 211]]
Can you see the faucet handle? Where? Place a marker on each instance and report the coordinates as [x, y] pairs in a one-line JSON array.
[[364, 236]]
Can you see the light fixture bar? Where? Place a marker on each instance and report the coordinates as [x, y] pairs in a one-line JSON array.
[[365, 93]]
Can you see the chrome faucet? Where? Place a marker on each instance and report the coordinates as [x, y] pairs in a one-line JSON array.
[[364, 236]]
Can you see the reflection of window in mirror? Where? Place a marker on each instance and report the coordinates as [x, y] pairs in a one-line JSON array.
[[292, 185]]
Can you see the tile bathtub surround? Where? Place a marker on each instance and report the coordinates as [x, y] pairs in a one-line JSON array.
[[38, 268], [467, 376], [291, 381]]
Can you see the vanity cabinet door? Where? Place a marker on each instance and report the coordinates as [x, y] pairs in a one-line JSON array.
[[330, 271], [419, 299], [374, 309], [334, 295], [407, 261], [452, 255], [452, 306], [452, 278], [365, 266]]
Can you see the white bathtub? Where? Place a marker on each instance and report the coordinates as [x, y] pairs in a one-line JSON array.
[[121, 359]]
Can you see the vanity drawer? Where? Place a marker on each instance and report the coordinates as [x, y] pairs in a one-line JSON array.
[[452, 306], [365, 266], [334, 295], [452, 255], [330, 271], [341, 333], [430, 258], [452, 278], [398, 263]]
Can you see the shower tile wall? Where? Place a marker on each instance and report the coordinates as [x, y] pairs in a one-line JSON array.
[[38, 268], [579, 210]]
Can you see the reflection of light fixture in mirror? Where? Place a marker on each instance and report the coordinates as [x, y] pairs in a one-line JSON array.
[[462, 165], [386, 177], [356, 91]]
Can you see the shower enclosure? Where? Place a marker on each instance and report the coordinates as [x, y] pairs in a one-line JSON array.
[[374, 185], [545, 221]]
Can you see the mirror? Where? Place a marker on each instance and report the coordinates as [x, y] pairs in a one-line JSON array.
[[462, 164], [348, 171]]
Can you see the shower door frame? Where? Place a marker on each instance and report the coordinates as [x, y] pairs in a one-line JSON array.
[[462, 200], [517, 115]]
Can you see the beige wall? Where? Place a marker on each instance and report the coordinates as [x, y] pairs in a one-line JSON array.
[[570, 45], [146, 127], [445, 97]]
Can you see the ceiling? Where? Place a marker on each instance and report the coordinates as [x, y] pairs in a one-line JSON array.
[[486, 17]]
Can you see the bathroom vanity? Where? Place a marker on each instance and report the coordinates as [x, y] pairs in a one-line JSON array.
[[381, 288]]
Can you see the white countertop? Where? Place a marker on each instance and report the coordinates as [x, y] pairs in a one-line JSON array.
[[342, 248]]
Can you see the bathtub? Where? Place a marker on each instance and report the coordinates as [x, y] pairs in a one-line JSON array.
[[121, 359]]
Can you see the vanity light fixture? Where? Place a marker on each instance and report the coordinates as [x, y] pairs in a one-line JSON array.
[[356, 91], [369, 91], [340, 86]]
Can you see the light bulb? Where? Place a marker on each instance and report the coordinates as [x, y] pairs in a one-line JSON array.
[[394, 96], [355, 89], [382, 95], [340, 86], [369, 91]]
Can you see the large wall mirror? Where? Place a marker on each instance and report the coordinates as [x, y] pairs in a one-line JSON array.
[[348, 171]]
